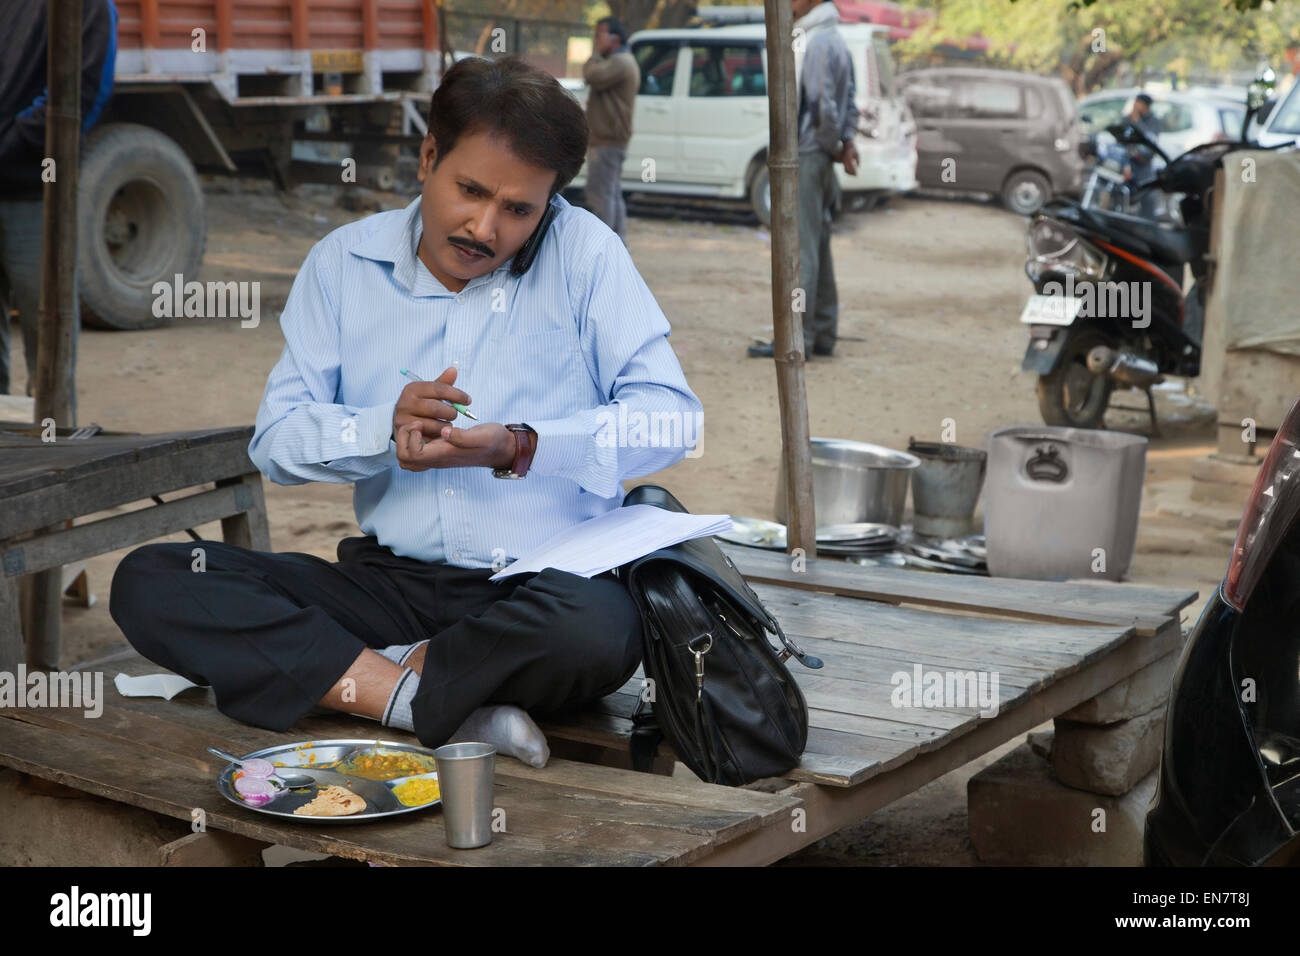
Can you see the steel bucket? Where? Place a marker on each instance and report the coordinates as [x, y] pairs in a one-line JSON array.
[[853, 482], [945, 488]]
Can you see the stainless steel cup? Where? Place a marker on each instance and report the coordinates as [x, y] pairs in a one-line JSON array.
[[465, 775]]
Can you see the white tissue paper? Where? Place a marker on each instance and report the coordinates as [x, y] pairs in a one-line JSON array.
[[165, 686]]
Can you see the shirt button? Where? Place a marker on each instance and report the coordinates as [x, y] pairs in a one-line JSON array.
[[456, 554], [449, 492]]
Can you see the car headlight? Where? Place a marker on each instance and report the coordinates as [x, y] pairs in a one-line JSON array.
[[1062, 145]]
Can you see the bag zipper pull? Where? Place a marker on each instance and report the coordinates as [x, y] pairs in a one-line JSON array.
[[699, 662]]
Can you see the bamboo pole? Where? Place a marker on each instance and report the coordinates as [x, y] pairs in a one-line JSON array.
[[55, 386], [787, 325]]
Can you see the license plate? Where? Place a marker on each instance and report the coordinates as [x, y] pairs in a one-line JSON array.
[[1051, 310]]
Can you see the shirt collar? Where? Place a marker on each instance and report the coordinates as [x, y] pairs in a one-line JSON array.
[[397, 240]]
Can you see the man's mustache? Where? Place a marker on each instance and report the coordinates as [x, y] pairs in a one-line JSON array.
[[471, 245]]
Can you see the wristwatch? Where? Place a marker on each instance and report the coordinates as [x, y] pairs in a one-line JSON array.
[[523, 453]]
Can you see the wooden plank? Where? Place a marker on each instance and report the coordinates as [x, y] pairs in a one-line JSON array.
[[168, 738], [883, 627], [212, 848], [556, 819], [248, 528], [54, 490], [109, 534], [1078, 602], [11, 625], [829, 808]]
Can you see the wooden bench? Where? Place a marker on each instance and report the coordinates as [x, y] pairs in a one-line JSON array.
[[45, 485]]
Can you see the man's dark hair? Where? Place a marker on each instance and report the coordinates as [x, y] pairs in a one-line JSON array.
[[1143, 98], [614, 28], [543, 124]]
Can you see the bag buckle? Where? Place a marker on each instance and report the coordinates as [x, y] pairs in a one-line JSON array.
[[699, 651]]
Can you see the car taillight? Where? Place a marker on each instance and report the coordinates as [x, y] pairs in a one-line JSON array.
[[1273, 504]]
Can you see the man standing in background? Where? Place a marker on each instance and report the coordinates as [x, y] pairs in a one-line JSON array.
[[612, 78], [828, 119], [23, 68]]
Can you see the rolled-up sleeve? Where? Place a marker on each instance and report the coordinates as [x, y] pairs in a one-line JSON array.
[[303, 433], [651, 418]]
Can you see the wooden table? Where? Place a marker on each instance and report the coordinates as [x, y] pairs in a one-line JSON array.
[[45, 485]]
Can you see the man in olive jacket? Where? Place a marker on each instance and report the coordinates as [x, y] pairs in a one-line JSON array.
[[612, 78]]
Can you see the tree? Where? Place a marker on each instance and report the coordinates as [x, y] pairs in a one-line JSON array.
[[1088, 40]]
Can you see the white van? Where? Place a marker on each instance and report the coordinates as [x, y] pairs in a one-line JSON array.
[[700, 125]]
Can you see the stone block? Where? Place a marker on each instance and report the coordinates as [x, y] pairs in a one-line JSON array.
[[1110, 758], [1021, 815], [1138, 694]]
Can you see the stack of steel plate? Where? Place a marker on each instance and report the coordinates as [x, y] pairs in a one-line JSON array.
[[839, 540], [958, 555]]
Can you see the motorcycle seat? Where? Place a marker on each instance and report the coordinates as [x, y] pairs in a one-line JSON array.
[[1169, 243]]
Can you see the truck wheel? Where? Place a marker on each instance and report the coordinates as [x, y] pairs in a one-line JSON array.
[[142, 221], [1025, 191], [760, 196], [1071, 395]]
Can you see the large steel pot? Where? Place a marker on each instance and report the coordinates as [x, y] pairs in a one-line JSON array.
[[854, 482]]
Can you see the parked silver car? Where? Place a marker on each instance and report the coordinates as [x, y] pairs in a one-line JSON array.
[[1187, 118]]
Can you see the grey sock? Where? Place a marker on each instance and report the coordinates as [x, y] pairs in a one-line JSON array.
[[510, 730], [399, 654], [398, 711]]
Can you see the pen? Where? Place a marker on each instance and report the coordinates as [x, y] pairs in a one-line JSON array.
[[456, 405]]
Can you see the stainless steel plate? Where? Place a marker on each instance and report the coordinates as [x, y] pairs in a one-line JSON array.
[[756, 533], [859, 532], [843, 550], [920, 562], [325, 755]]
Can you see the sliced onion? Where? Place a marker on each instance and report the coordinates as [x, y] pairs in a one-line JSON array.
[[257, 767], [254, 790]]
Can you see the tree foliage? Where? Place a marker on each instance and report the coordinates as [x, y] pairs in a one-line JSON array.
[[1086, 41]]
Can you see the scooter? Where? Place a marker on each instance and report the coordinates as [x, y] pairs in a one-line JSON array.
[[1108, 307]]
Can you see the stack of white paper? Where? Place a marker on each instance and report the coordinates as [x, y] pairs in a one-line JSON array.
[[607, 541]]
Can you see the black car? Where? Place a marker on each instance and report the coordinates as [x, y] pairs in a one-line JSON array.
[[1229, 785]]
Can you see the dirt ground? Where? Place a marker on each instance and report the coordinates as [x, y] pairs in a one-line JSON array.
[[930, 293]]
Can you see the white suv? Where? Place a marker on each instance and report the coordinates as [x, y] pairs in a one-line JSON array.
[[700, 127]]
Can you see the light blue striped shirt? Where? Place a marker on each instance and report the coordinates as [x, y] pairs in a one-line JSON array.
[[577, 348]]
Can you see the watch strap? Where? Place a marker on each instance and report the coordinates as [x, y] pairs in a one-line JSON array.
[[523, 453]]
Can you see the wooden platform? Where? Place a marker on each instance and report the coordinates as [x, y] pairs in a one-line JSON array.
[[1052, 646], [46, 485], [151, 753]]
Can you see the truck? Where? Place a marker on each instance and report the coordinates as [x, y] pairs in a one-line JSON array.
[[225, 85]]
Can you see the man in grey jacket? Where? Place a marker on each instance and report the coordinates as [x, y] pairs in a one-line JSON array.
[[828, 119], [612, 77]]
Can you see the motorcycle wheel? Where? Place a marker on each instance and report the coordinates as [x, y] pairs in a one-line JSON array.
[[1070, 395]]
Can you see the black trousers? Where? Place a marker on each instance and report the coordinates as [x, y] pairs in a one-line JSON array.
[[271, 633]]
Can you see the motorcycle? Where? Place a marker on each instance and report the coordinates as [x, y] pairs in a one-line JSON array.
[[1108, 307]]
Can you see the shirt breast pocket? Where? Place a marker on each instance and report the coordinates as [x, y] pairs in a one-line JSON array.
[[550, 376]]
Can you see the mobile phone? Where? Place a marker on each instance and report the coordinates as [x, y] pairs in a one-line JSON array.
[[528, 251]]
